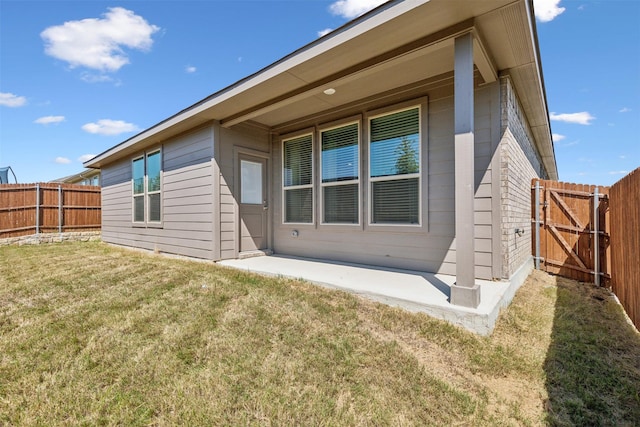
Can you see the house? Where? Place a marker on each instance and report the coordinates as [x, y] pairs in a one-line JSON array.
[[86, 177], [407, 138]]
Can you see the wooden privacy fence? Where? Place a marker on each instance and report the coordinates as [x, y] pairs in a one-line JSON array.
[[48, 208], [624, 214], [591, 234], [571, 230]]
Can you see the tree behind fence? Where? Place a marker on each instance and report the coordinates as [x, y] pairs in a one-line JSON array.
[[27, 209]]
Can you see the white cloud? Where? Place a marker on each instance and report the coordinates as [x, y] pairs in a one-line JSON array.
[[624, 110], [109, 127], [622, 156], [547, 10], [97, 78], [98, 43], [557, 137], [49, 119], [618, 172], [11, 100], [324, 32], [582, 118], [86, 157], [352, 8], [62, 161], [189, 69]]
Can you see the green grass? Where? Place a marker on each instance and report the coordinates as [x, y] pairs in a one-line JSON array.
[[95, 335]]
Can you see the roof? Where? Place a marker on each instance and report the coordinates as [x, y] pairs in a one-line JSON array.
[[77, 177], [397, 44]]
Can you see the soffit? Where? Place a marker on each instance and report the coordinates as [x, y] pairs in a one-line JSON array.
[[399, 72]]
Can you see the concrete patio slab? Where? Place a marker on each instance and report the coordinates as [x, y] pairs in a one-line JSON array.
[[412, 290]]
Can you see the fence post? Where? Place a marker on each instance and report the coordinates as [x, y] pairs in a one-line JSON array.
[[38, 208], [59, 208], [537, 202], [596, 238]]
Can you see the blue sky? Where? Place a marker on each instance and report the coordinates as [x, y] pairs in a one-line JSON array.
[[77, 77]]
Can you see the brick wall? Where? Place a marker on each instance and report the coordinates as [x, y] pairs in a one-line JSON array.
[[519, 164]]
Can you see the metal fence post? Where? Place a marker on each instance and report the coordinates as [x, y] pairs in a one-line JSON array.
[[537, 202], [38, 208], [59, 208], [596, 238]]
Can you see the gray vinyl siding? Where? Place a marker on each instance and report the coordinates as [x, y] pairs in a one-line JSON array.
[[201, 215], [240, 138], [187, 200], [520, 163], [430, 247]]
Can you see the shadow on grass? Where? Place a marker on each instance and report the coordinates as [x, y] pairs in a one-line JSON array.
[[593, 363]]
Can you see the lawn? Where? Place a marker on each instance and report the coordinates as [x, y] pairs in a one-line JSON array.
[[92, 334]]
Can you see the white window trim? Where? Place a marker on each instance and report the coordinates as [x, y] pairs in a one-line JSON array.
[[311, 185], [322, 185], [382, 113], [145, 193]]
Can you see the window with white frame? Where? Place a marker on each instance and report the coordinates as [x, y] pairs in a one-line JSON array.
[[340, 167], [147, 187], [138, 189], [297, 179], [394, 167]]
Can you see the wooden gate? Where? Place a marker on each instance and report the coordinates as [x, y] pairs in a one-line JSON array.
[[570, 224]]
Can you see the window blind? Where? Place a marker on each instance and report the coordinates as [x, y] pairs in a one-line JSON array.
[[340, 174], [298, 161], [297, 178], [394, 153], [298, 205], [396, 201]]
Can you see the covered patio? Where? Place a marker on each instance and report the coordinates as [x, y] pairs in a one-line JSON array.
[[415, 291]]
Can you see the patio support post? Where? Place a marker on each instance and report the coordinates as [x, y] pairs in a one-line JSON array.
[[465, 291]]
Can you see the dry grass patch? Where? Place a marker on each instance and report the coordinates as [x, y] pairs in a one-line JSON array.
[[90, 334]]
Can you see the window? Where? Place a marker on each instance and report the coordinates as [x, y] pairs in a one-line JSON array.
[[340, 177], [138, 190], [394, 168], [251, 183], [297, 179], [147, 185]]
